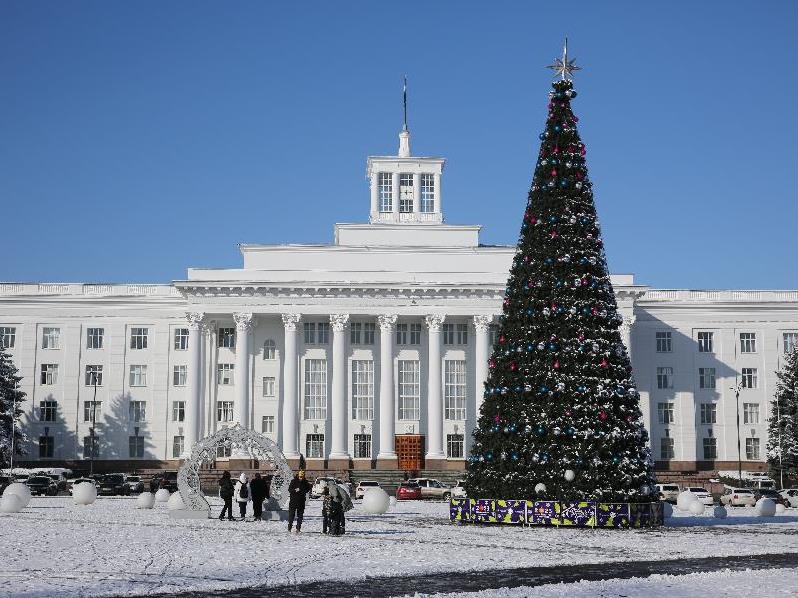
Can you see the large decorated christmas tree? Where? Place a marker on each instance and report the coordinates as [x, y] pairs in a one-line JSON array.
[[782, 448], [560, 418]]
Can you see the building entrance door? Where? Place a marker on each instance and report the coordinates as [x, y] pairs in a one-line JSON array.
[[410, 451]]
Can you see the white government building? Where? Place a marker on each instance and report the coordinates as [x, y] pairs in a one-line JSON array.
[[369, 352]]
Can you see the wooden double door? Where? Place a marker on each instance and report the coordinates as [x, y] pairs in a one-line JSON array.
[[410, 451]]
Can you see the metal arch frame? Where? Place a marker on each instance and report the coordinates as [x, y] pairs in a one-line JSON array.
[[255, 443]]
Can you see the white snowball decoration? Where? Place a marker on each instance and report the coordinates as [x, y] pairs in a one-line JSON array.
[[162, 495], [84, 493], [21, 490], [766, 507], [10, 503], [780, 509], [696, 508], [720, 512], [376, 501], [667, 510], [540, 488], [569, 475], [175, 502], [146, 500], [685, 499]]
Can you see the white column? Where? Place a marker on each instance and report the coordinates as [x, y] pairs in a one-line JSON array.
[[438, 194], [626, 331], [396, 195], [338, 444], [194, 382], [242, 379], [416, 192], [375, 194], [387, 416], [482, 349], [434, 397], [290, 431]]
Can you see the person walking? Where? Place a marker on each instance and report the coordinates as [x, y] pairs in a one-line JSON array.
[[242, 494], [226, 494], [260, 489], [326, 510], [297, 490]]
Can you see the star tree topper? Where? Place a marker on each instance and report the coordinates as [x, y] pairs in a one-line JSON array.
[[564, 67]]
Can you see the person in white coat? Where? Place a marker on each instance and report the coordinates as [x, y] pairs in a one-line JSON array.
[[242, 494]]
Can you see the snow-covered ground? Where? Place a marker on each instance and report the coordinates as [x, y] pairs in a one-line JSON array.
[[56, 548]]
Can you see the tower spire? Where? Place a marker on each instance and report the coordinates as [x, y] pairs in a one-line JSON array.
[[404, 136], [404, 101]]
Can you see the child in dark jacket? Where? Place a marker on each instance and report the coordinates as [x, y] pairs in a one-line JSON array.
[[326, 506]]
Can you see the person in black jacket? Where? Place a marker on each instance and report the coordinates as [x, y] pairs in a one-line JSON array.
[[297, 490], [259, 490], [226, 494]]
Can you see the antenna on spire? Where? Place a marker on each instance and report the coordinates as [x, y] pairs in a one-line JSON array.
[[404, 101]]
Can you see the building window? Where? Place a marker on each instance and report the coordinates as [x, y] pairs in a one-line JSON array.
[[665, 414], [362, 446], [750, 413], [223, 451], [705, 342], [267, 424], [747, 342], [8, 337], [94, 375], [91, 447], [666, 446], [664, 378], [386, 192], [710, 448], [323, 330], [362, 389], [137, 411], [664, 342], [409, 389], [401, 334], [138, 375], [493, 334], [749, 378], [49, 374], [752, 449], [92, 410], [408, 334], [454, 446], [706, 377], [226, 338], [315, 389], [709, 413], [462, 334], [94, 338], [138, 338], [369, 328], [181, 339], [448, 334], [178, 442], [178, 411], [268, 386], [180, 375], [314, 446], [355, 333], [136, 447], [455, 389], [51, 338], [46, 447], [269, 349], [790, 341], [310, 332], [47, 410], [455, 334], [427, 193], [317, 333], [405, 193], [224, 411], [225, 374]]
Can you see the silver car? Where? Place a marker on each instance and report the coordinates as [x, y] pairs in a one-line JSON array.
[[738, 497]]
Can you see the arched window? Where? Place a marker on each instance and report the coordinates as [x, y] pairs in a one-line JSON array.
[[269, 349]]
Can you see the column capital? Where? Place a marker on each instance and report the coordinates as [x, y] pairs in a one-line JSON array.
[[291, 321], [339, 321], [481, 322], [244, 321], [387, 322], [195, 319], [434, 321]]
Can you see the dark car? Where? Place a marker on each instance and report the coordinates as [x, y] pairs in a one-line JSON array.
[[4, 483], [165, 479], [135, 483], [114, 484], [42, 485], [771, 494]]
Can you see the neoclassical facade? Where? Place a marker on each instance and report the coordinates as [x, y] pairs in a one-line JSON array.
[[367, 352]]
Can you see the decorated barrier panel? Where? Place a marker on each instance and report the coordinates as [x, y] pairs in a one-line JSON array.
[[559, 513]]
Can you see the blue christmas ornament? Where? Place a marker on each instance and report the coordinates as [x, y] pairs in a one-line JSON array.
[[553, 218], [542, 136], [548, 261], [563, 183], [540, 431], [552, 347], [530, 347]]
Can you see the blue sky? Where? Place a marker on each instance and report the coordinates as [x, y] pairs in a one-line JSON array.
[[140, 139]]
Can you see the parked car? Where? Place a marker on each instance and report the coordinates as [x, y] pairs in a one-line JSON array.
[[791, 496], [668, 492], [432, 488], [771, 494], [408, 491], [113, 484], [704, 497], [135, 483], [164, 479], [60, 480], [738, 497], [4, 482], [42, 485], [319, 484], [364, 485], [459, 489], [77, 481]]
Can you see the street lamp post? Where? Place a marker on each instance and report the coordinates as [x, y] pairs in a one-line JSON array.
[[736, 388]]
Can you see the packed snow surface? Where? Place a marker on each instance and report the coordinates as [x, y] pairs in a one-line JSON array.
[[57, 548]]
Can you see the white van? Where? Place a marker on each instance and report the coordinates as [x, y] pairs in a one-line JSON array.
[[668, 492]]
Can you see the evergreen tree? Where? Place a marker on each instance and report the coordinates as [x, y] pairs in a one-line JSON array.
[[560, 395], [782, 448], [11, 399]]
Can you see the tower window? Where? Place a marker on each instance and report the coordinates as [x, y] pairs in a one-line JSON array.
[[427, 193], [406, 193], [386, 192]]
